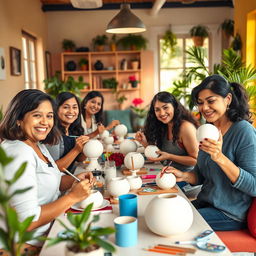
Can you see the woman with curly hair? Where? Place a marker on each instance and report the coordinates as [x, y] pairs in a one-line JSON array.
[[173, 129]]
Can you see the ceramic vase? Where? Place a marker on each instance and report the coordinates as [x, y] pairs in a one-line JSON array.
[[127, 146], [95, 197], [98, 252], [150, 151], [134, 161], [135, 182], [121, 131], [167, 181], [207, 131], [108, 141], [168, 214], [118, 186], [98, 65]]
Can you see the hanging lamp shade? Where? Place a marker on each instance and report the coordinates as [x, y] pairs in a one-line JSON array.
[[125, 22]]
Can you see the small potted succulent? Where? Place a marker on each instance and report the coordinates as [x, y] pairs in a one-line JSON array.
[[99, 42], [68, 45], [83, 63], [81, 237], [198, 34]]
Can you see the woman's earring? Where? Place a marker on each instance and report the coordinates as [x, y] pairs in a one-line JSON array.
[[227, 107]]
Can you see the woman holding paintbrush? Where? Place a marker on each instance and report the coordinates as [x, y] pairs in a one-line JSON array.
[[71, 145]]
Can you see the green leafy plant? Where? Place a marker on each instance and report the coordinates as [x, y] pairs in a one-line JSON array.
[[236, 44], [199, 30], [169, 45], [83, 61], [100, 40], [81, 235], [227, 26], [14, 234], [110, 83], [139, 111], [132, 41], [68, 45], [54, 85]]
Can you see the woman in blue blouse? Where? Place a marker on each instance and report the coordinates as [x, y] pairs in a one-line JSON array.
[[226, 168]]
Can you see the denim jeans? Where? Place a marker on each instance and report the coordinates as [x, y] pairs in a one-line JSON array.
[[216, 219]]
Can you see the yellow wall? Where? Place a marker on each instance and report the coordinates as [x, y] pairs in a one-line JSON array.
[[15, 16]]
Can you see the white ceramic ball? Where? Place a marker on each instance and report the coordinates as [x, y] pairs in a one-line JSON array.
[[93, 148], [127, 146], [95, 197], [207, 131], [104, 134], [121, 130], [168, 214], [167, 181], [118, 186], [150, 151], [135, 182], [108, 140], [138, 160]]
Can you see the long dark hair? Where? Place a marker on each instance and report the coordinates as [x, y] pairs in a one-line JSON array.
[[155, 129], [239, 108], [26, 101], [76, 127], [91, 95]]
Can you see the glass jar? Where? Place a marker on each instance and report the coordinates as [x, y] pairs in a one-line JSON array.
[[100, 181], [109, 170]]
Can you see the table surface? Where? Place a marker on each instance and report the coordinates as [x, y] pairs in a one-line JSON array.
[[146, 238]]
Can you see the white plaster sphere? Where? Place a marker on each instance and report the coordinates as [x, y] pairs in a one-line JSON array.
[[108, 140], [118, 186], [93, 148], [104, 134], [168, 214], [138, 160], [127, 146], [95, 197], [150, 151], [121, 130], [134, 181], [167, 181], [207, 131]]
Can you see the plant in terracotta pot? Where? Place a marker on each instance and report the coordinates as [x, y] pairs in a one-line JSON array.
[[135, 63], [198, 34], [83, 63], [81, 237], [99, 42], [68, 45], [133, 42], [113, 43]]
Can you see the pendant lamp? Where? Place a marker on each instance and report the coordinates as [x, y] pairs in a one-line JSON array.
[[125, 22]]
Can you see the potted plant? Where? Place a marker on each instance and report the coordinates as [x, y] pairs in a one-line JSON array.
[[81, 237], [68, 45], [99, 42], [169, 43], [135, 63], [113, 43], [198, 34], [227, 26], [110, 83], [237, 43], [83, 63], [134, 42]]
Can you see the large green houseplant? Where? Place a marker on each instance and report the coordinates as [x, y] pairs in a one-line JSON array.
[[133, 42], [14, 233], [81, 236]]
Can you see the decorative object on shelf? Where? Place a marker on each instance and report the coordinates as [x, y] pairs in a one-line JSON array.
[[135, 63], [133, 42], [110, 83], [167, 181], [209, 131], [70, 65], [99, 42], [120, 131], [93, 150], [83, 63], [68, 45], [134, 161], [150, 151], [82, 237], [198, 34], [118, 158], [123, 64], [127, 146], [169, 43], [54, 85], [118, 186], [83, 49], [98, 65], [113, 43], [133, 81], [168, 214], [15, 60], [125, 22], [237, 43]]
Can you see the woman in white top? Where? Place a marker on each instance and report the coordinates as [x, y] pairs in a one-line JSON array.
[[27, 125], [92, 112]]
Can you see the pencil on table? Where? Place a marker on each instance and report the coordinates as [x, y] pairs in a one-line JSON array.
[[187, 250], [167, 251]]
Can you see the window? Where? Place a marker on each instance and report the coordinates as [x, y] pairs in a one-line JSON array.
[[29, 60], [172, 68]]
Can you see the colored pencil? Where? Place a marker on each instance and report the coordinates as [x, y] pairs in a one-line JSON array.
[[184, 249], [167, 251]]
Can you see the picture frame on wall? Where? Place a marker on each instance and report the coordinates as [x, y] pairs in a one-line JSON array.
[[15, 60], [2, 65]]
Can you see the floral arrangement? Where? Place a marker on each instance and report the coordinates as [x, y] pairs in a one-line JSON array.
[[118, 158], [141, 112], [133, 79]]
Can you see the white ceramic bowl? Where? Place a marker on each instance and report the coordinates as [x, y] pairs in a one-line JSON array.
[[118, 186], [95, 197], [167, 181], [121, 130], [138, 160], [93, 149], [150, 151], [207, 131], [134, 181], [127, 146]]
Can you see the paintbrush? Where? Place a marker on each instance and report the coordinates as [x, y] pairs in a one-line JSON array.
[[70, 174]]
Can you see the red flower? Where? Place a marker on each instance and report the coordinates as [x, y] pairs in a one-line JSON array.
[[132, 78], [137, 101], [118, 158]]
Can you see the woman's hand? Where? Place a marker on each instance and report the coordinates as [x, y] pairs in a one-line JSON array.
[[86, 175], [212, 147], [180, 176], [113, 124], [162, 156], [80, 141], [80, 190], [141, 138], [101, 128]]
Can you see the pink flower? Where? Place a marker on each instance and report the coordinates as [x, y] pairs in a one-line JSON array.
[[132, 78], [137, 101]]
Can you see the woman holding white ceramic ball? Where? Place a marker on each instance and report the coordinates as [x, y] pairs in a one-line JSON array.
[[92, 112], [226, 168], [173, 129]]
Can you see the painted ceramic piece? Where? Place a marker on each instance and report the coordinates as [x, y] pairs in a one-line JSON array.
[[95, 197], [118, 186], [168, 214], [138, 161], [207, 131], [150, 151], [167, 181], [93, 148], [127, 146], [135, 182]]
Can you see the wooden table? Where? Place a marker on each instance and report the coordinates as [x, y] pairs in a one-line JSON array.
[[145, 237]]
